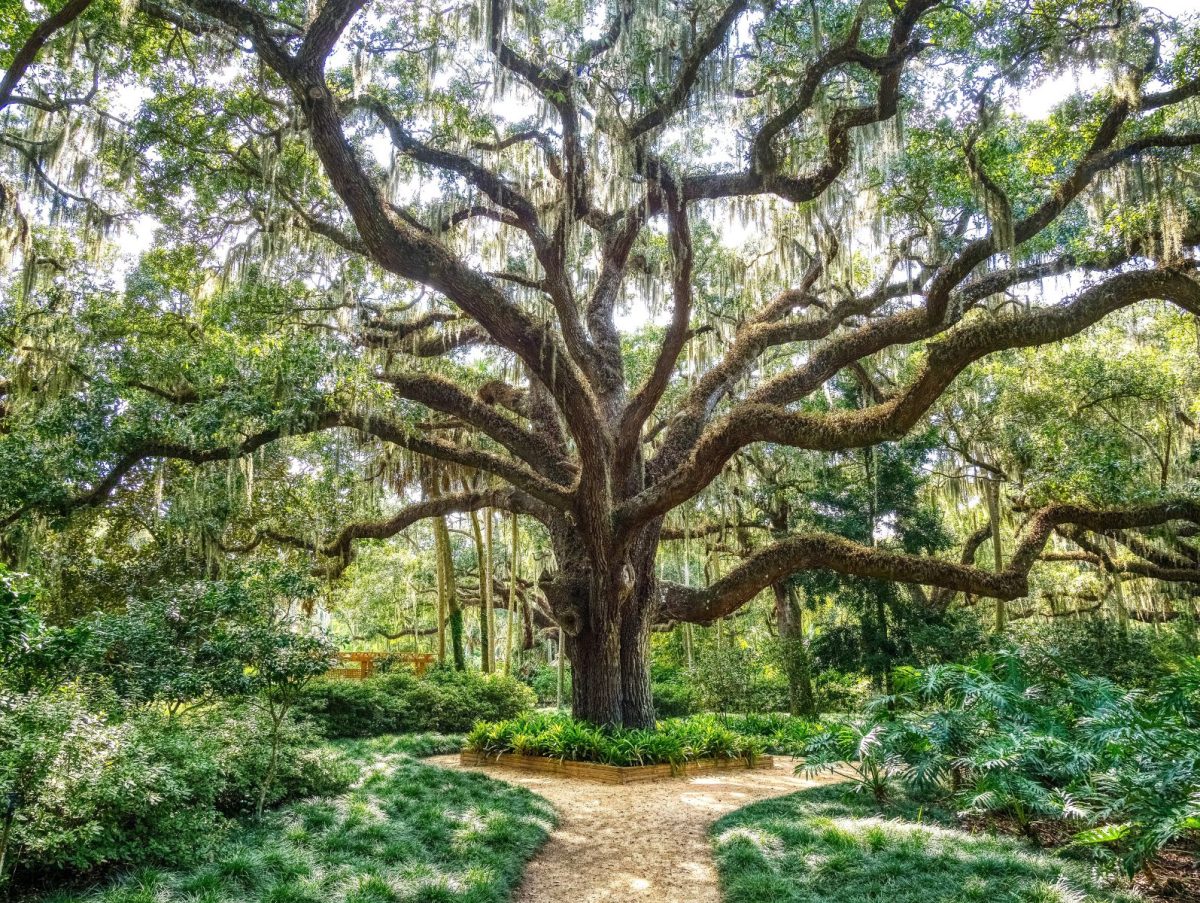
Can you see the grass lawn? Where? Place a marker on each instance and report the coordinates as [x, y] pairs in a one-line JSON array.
[[825, 846], [405, 833]]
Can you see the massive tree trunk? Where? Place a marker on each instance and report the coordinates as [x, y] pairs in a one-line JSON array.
[[595, 654], [610, 671], [606, 612]]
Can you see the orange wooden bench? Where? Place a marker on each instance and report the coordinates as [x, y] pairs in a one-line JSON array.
[[361, 665]]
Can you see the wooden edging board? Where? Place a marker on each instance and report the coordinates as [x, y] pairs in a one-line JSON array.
[[610, 774]]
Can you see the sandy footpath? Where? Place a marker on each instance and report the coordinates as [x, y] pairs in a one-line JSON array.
[[641, 842]]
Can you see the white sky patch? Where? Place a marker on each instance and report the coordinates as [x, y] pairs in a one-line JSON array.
[[1038, 101]]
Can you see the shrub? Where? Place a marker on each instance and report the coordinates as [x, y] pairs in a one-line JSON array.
[[450, 702], [1146, 794], [674, 692], [237, 740], [859, 751], [1095, 647], [170, 647], [95, 792], [544, 682], [443, 701], [839, 691], [353, 708], [740, 678], [32, 654]]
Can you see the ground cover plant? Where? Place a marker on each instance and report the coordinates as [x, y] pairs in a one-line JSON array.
[[674, 741], [826, 846], [405, 832], [1061, 758]]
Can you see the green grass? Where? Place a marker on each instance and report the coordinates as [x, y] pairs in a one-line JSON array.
[[825, 846], [407, 832]]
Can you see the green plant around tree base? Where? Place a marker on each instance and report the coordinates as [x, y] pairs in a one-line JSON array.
[[674, 741]]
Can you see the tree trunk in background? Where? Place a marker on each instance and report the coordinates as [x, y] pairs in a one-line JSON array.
[[879, 641], [484, 565], [513, 573], [441, 610], [789, 621], [526, 623], [1115, 591], [991, 494], [489, 539], [448, 591]]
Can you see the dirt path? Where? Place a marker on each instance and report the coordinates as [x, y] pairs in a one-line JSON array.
[[642, 842]]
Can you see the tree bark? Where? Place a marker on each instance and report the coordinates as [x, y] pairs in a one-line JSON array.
[[637, 700], [991, 494], [796, 665], [606, 613], [448, 591], [483, 557], [595, 654], [513, 573]]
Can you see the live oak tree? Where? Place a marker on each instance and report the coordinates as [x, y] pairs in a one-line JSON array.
[[583, 254]]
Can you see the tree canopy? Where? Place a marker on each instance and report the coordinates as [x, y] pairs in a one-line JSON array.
[[811, 283]]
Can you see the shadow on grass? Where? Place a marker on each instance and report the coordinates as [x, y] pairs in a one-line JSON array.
[[406, 832], [827, 846]]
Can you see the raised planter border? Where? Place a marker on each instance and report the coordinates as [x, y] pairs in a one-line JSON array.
[[609, 774]]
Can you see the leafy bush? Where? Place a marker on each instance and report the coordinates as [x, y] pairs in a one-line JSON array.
[[840, 691], [740, 678], [238, 741], [1094, 647], [674, 692], [673, 741], [356, 708], [1145, 794], [544, 683], [858, 751], [449, 701], [443, 701], [170, 647], [32, 654], [93, 791]]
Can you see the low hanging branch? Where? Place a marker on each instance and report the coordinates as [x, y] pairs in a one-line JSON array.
[[825, 551]]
